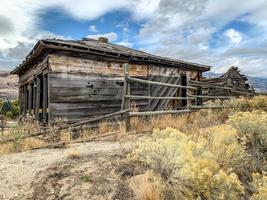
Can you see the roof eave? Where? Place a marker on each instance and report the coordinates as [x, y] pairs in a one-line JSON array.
[[34, 52]]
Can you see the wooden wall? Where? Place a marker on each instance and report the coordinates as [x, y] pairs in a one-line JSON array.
[[80, 88]]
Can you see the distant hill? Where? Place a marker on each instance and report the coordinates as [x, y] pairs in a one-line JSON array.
[[259, 84], [8, 85]]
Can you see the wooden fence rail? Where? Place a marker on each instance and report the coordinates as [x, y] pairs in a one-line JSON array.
[[138, 80], [69, 126]]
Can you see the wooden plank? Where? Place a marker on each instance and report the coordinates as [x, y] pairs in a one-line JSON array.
[[85, 98], [38, 96], [210, 97], [34, 96], [25, 99], [188, 92], [165, 98], [206, 107], [101, 118], [29, 98], [150, 113], [245, 93], [45, 99], [169, 92], [210, 86], [125, 86], [158, 83], [62, 63], [165, 77]]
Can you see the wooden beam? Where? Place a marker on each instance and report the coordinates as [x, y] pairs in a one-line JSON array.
[[210, 86], [159, 83], [30, 98], [45, 98], [100, 118], [210, 97], [34, 96], [206, 107], [25, 99], [188, 91], [165, 98], [125, 86], [38, 91], [163, 112], [239, 92]]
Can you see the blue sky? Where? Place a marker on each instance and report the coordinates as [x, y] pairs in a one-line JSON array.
[[213, 32]]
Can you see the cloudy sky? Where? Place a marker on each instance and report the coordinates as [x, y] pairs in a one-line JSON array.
[[219, 33]]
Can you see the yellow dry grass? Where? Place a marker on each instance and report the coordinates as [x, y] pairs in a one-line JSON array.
[[74, 154], [147, 186]]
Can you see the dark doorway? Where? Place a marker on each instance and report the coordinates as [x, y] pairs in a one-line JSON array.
[[184, 91]]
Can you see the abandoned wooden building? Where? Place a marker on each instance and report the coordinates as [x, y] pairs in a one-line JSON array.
[[231, 78], [75, 80]]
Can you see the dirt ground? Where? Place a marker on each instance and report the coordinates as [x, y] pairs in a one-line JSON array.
[[52, 174]]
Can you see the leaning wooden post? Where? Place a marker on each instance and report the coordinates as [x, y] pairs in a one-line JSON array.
[[188, 91], [126, 101]]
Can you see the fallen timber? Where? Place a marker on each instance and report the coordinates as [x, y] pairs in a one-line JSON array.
[[69, 126], [210, 97], [150, 97], [163, 112], [64, 144], [206, 107]]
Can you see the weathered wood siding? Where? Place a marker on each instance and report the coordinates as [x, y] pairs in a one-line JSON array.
[[80, 88]]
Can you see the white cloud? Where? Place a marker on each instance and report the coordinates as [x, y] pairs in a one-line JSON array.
[[111, 36], [92, 28], [125, 43], [234, 36]]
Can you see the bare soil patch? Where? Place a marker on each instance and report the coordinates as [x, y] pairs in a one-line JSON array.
[[52, 174]]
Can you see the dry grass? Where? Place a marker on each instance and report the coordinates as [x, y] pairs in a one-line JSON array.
[[147, 186], [65, 136], [21, 145], [74, 154], [30, 143]]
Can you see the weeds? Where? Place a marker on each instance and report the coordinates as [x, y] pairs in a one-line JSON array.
[[86, 178]]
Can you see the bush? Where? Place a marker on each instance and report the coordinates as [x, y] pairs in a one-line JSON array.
[[10, 109], [251, 128], [247, 104], [260, 186], [191, 170]]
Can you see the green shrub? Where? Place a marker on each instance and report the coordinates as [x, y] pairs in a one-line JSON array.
[[9, 109]]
